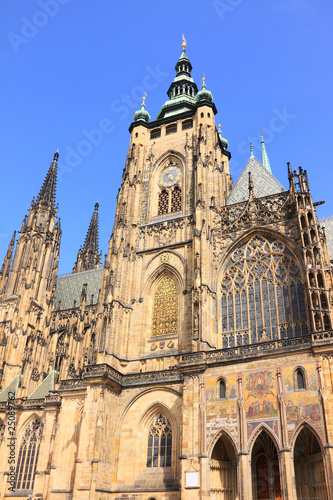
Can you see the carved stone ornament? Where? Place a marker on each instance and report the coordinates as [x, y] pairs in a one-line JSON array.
[[35, 375]]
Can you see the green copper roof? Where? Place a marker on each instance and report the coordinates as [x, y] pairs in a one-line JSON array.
[[44, 387], [142, 114], [264, 183], [264, 156], [11, 388], [204, 94], [182, 91]]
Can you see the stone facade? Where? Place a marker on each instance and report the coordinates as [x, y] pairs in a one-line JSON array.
[[196, 363]]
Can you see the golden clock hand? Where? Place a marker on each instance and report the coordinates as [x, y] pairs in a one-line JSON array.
[[170, 177]]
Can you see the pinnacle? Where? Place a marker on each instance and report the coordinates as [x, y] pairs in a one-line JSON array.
[[89, 257], [46, 197]]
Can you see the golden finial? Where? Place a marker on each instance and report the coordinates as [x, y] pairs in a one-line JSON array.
[[219, 125], [203, 78], [184, 42], [144, 97]]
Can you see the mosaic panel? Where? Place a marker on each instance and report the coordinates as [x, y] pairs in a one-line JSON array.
[[261, 403], [221, 413], [302, 405]]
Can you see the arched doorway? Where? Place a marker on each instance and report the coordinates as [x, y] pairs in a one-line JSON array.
[[265, 469], [223, 471], [309, 467]]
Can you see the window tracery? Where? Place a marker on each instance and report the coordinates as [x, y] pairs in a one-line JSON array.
[[262, 294], [28, 456], [159, 443], [165, 308]]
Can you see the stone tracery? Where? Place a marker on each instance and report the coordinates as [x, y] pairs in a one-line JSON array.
[[262, 294]]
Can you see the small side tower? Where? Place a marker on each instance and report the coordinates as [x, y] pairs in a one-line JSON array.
[[35, 264], [89, 256], [27, 298]]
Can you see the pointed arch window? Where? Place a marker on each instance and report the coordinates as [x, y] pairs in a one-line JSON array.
[[176, 199], [163, 202], [165, 308], [28, 456], [159, 443], [262, 294]]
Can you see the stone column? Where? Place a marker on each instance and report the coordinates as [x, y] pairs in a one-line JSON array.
[[287, 474], [328, 464], [244, 476]]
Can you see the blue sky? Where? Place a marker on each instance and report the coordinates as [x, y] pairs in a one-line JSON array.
[[73, 72]]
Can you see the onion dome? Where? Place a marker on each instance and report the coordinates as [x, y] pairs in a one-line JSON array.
[[204, 94], [142, 114], [223, 141]]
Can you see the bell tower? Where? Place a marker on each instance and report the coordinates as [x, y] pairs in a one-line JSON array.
[[156, 293]]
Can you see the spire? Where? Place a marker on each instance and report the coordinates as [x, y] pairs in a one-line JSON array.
[[46, 197], [251, 149], [88, 256], [182, 90], [4, 273], [264, 155]]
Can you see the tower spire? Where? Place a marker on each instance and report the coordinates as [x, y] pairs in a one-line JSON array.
[[46, 197], [264, 155], [89, 257], [4, 273]]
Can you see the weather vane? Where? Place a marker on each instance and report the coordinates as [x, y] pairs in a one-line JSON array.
[[184, 42]]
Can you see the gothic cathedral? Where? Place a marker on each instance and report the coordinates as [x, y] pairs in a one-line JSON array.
[[195, 362]]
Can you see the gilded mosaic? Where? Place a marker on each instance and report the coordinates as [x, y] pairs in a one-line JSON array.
[[302, 404]]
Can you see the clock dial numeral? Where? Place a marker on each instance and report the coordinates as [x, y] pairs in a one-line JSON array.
[[169, 176]]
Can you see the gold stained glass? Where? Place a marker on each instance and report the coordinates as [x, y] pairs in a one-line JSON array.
[[176, 200], [163, 202], [165, 309]]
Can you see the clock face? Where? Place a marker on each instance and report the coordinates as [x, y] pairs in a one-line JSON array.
[[170, 176]]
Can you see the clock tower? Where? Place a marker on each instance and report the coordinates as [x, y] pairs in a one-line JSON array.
[[158, 259]]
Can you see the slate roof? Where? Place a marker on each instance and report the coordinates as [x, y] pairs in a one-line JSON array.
[[328, 225], [264, 183], [69, 288]]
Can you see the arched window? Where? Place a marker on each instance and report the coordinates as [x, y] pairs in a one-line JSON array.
[[165, 308], [176, 199], [28, 456], [223, 391], [300, 381], [262, 295], [163, 202], [159, 443]]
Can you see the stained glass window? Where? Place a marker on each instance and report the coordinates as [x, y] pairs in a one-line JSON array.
[[159, 443], [165, 308], [262, 294], [28, 456]]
